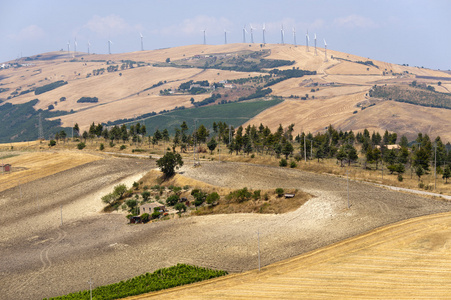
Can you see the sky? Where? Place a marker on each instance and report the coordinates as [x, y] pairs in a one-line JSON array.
[[414, 32]]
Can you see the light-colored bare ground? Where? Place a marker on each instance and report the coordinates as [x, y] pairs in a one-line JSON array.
[[49, 259], [406, 260]]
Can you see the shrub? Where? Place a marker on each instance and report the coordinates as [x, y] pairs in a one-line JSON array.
[[81, 145], [279, 192], [156, 214], [101, 147], [293, 164], [108, 198], [212, 198], [240, 195], [266, 197], [298, 157], [256, 195], [145, 217], [145, 195], [172, 200], [400, 178], [111, 144], [52, 143], [283, 162], [252, 155], [123, 147], [180, 207]]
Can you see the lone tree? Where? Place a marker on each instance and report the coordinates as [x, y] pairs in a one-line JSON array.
[[169, 162]]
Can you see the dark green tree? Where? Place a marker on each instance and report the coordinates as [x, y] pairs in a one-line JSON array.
[[169, 162], [212, 145]]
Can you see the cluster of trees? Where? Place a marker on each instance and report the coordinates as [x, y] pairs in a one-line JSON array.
[[49, 87], [88, 100]]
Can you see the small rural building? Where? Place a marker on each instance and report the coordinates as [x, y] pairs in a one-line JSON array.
[[149, 208], [288, 195], [5, 168]]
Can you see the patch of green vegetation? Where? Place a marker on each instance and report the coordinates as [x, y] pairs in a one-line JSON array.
[[20, 122], [412, 95], [88, 100], [161, 279], [234, 114]]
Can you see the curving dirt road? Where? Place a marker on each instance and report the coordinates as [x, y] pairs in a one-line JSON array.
[[40, 258]]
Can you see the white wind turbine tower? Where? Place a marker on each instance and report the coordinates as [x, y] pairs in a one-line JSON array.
[[252, 34], [264, 31], [109, 46], [75, 46], [68, 48], [316, 53], [89, 44], [244, 34], [325, 50], [307, 39], [205, 36], [282, 33], [225, 37], [142, 44], [294, 36]]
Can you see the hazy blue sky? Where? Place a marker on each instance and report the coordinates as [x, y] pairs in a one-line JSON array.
[[414, 32]]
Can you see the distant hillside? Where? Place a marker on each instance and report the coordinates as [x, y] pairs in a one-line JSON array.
[[317, 90]]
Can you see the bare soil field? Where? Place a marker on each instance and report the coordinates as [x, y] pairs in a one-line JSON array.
[[41, 258]]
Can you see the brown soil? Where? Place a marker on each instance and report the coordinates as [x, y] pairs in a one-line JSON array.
[[40, 258]]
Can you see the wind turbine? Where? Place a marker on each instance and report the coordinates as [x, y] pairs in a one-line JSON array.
[[264, 31], [225, 37], [142, 45], [109, 46], [68, 48], [244, 34], [89, 44], [282, 33], [75, 46], [294, 36], [252, 34], [205, 37], [307, 39], [315, 45], [325, 50]]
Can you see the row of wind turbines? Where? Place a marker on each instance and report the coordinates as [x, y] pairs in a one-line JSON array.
[[282, 37], [245, 32]]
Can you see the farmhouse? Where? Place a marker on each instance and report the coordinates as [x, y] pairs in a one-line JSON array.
[[150, 208], [5, 168]]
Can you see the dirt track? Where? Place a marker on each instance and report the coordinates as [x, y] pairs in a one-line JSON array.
[[42, 259]]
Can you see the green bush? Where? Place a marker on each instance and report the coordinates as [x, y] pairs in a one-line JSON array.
[[172, 200], [145, 195], [52, 143], [81, 145], [283, 162], [279, 192], [145, 217], [212, 198], [122, 147], [180, 207], [111, 144], [256, 195], [400, 178], [293, 164], [240, 195], [156, 214], [101, 147]]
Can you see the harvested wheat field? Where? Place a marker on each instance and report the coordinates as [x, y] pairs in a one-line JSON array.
[[32, 166], [406, 260]]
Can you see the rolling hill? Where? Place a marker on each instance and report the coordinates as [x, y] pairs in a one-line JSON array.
[[128, 85]]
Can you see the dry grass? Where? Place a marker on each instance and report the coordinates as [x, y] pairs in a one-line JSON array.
[[406, 260], [31, 166]]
